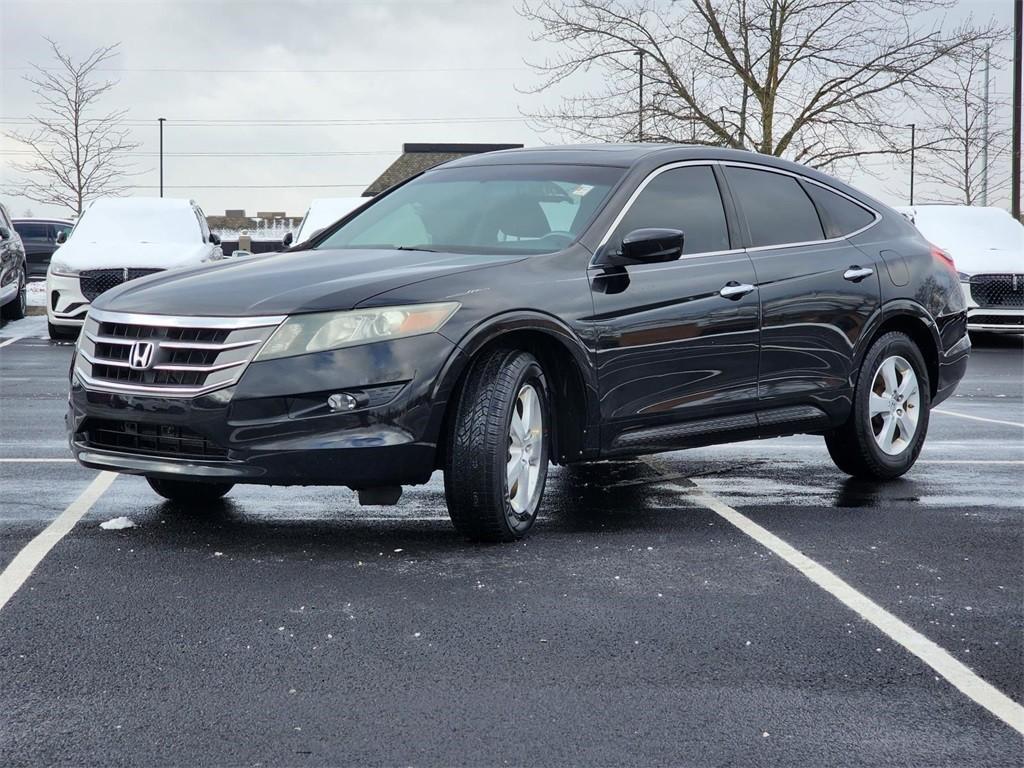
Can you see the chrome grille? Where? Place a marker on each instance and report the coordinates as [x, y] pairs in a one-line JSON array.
[[94, 282], [161, 354], [998, 290]]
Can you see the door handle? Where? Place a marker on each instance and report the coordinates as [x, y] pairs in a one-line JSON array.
[[856, 274], [734, 290]]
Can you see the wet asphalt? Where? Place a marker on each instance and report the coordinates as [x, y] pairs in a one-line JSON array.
[[633, 627]]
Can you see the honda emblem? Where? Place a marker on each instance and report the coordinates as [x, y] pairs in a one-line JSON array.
[[141, 356]]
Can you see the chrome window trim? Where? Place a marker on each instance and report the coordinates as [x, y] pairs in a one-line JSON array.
[[177, 321], [738, 164]]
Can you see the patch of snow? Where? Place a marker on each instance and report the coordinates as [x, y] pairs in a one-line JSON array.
[[37, 293], [117, 524]]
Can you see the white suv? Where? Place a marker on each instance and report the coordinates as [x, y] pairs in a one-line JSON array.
[[120, 239], [988, 248]]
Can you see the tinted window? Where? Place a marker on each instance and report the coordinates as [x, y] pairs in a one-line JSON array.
[[483, 209], [776, 208], [32, 229], [682, 198], [842, 216]]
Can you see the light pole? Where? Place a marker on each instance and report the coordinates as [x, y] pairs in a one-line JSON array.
[[161, 121], [913, 149], [640, 101]]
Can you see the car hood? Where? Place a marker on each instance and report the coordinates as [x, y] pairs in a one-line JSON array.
[[94, 255], [287, 283], [986, 260]]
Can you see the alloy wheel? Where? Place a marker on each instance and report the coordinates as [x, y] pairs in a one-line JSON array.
[[525, 452], [894, 405]]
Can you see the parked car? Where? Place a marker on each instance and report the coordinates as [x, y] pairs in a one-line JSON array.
[[322, 213], [988, 246], [13, 270], [117, 240], [504, 311], [41, 238]]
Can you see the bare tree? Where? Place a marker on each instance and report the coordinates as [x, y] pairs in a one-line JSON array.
[[818, 81], [956, 165], [77, 153]]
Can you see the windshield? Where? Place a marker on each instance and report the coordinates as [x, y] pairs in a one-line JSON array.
[[137, 224], [489, 209]]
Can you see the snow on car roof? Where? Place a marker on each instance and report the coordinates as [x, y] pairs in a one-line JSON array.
[[140, 220], [966, 228]]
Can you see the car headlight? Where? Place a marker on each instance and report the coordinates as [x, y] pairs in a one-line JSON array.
[[301, 334], [964, 277], [62, 269]]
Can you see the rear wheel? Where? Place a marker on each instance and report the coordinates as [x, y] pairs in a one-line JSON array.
[[18, 307], [497, 458], [189, 491], [889, 420]]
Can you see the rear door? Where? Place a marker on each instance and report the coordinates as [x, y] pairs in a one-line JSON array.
[[670, 347], [817, 290]]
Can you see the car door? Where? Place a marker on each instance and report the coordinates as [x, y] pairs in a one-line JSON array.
[[10, 253], [817, 290], [676, 342]]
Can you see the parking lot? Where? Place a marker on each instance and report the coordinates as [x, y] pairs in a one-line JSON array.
[[710, 607]]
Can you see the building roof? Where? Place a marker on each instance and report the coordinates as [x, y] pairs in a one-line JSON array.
[[416, 158]]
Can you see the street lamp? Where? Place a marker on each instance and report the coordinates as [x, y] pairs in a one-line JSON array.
[[640, 102], [161, 121], [913, 149]]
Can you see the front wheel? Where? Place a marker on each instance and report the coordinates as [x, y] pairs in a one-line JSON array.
[[497, 457], [886, 429], [189, 491]]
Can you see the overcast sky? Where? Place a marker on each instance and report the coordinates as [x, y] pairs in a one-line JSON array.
[[400, 71]]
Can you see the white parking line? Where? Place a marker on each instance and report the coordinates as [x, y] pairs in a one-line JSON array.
[[970, 461], [32, 461], [21, 567], [978, 418], [959, 675]]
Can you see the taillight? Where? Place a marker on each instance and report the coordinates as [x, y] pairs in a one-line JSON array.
[[944, 258]]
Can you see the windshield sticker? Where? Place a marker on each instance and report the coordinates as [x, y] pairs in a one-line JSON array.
[[582, 189]]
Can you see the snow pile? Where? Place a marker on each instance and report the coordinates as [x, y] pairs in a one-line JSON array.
[[117, 524]]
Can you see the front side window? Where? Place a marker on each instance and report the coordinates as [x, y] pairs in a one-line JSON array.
[[489, 209], [684, 198], [775, 206]]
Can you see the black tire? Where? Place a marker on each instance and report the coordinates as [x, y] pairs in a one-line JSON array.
[[479, 447], [853, 445], [189, 491], [61, 333], [18, 308]]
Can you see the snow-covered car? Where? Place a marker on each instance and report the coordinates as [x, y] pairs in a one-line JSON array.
[[987, 245], [323, 212], [121, 239]]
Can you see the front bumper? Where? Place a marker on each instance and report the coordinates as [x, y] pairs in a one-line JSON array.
[[274, 427], [65, 304]]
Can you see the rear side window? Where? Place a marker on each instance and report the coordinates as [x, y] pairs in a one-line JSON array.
[[682, 198], [775, 206], [841, 216], [32, 229]]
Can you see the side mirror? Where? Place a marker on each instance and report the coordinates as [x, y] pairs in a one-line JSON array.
[[62, 237], [648, 246], [287, 240], [214, 239], [5, 233]]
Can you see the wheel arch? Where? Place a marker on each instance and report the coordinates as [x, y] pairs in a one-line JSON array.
[[572, 380], [915, 321]]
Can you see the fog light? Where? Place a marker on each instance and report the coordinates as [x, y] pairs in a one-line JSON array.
[[342, 401]]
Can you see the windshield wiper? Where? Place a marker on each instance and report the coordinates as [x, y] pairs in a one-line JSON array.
[[414, 248]]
